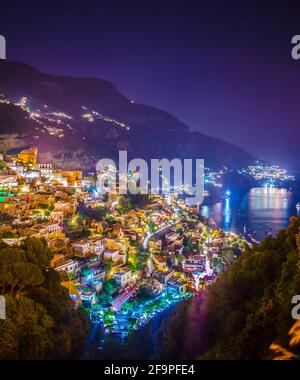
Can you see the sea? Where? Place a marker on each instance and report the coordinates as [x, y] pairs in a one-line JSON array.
[[261, 212]]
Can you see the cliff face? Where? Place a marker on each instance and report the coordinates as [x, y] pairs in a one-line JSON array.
[[76, 121]]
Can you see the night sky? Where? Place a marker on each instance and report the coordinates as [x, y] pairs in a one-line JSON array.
[[223, 67]]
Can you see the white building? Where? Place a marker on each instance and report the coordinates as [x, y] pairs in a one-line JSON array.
[[8, 181], [49, 228], [70, 266], [81, 247], [85, 247], [45, 169], [123, 278], [88, 297], [114, 256]]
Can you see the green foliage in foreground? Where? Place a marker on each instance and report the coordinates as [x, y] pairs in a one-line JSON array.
[[41, 322], [249, 307]]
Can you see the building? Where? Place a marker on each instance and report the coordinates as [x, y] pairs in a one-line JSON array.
[[163, 277], [65, 206], [71, 266], [81, 247], [28, 156], [98, 226], [8, 181], [73, 177], [114, 245], [57, 261], [115, 256], [88, 247], [123, 278], [57, 216], [45, 169], [195, 263], [88, 297], [161, 261], [177, 286], [50, 231], [57, 180]]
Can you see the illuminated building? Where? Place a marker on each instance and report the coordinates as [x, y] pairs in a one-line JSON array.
[[70, 266], [195, 263], [88, 297], [57, 216], [45, 169], [97, 226], [88, 247], [48, 231], [57, 261], [73, 177], [115, 256], [177, 285], [8, 181], [28, 156], [163, 277], [123, 278], [113, 245], [269, 175], [66, 207]]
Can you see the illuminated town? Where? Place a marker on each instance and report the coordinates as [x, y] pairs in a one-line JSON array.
[[149, 183], [268, 175], [123, 259], [52, 122]]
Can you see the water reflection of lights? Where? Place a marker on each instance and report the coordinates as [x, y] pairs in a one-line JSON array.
[[227, 214], [205, 211], [266, 198], [262, 210]]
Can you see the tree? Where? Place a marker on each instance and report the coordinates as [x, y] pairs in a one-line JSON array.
[[249, 306], [109, 287], [27, 332], [41, 321], [144, 293], [37, 252], [8, 235], [3, 165]]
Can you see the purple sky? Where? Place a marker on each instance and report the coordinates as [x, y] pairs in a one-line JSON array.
[[222, 67]]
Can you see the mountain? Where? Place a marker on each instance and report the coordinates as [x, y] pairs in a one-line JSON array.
[[74, 122]]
